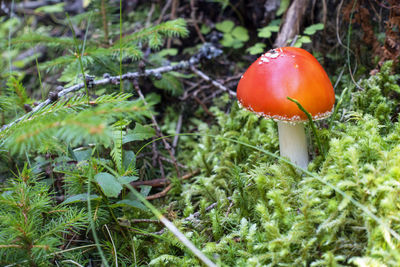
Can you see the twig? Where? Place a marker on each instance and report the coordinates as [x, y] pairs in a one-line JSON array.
[[153, 183], [165, 191], [167, 146], [215, 83], [174, 7], [150, 14], [193, 16], [160, 194], [162, 182], [208, 51], [188, 90], [170, 161], [163, 11], [203, 106]]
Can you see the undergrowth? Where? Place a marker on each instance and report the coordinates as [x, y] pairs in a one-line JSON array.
[[269, 214], [67, 166]]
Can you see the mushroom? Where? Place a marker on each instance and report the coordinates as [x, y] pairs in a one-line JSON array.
[[281, 73]]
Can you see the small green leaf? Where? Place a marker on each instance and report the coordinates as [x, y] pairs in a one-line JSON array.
[[257, 48], [79, 198], [205, 29], [168, 52], [283, 6], [227, 40], [310, 30], [109, 184], [57, 8], [225, 26], [138, 134], [82, 154], [240, 33], [145, 190], [129, 160], [127, 179], [275, 22], [266, 32], [302, 40], [237, 44]]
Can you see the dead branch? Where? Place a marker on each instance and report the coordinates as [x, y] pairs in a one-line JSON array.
[[215, 83], [165, 191], [208, 51]]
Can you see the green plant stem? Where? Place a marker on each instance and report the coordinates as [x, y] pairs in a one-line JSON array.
[[89, 206], [172, 228], [40, 79], [120, 46], [313, 128], [9, 38], [105, 198], [335, 111], [79, 55]]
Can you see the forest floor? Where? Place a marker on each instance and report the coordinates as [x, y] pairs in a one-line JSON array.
[[123, 144]]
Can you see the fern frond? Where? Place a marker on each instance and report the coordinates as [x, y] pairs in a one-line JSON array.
[[118, 134]]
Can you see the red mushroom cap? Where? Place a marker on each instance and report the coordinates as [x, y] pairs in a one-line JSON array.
[[286, 72]]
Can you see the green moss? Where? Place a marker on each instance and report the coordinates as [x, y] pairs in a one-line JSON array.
[[268, 214]]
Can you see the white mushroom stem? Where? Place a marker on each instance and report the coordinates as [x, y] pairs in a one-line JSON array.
[[293, 143]]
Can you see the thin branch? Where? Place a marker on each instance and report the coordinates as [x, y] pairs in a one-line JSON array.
[[167, 146], [163, 11], [193, 16], [166, 190], [175, 4], [208, 51], [208, 79], [162, 182]]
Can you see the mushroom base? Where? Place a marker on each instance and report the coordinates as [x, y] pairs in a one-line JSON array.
[[293, 143]]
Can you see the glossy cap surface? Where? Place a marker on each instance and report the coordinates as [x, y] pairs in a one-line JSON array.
[[286, 72]]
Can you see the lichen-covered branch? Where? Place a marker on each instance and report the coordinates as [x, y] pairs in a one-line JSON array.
[[208, 51]]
